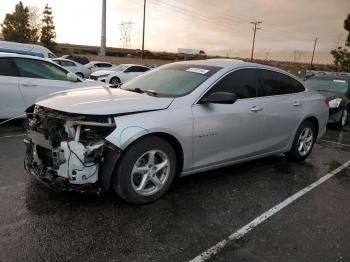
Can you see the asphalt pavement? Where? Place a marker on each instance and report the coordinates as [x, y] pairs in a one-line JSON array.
[[199, 211]]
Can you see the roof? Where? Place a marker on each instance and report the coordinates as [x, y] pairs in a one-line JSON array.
[[5, 54]]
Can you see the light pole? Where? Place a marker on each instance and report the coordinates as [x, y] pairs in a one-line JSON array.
[[143, 31], [103, 30]]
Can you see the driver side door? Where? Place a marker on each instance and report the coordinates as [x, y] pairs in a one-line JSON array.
[[229, 132]]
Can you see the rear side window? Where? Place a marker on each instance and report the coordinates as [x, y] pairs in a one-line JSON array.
[[33, 68], [103, 65], [242, 82], [297, 86], [273, 83], [7, 67], [67, 63]]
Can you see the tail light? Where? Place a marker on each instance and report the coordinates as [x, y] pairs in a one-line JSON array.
[[326, 102]]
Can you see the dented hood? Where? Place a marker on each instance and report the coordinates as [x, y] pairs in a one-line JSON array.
[[102, 101]]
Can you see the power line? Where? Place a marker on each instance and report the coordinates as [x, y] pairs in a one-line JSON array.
[[255, 23], [125, 31]]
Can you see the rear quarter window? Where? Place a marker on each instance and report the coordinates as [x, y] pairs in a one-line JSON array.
[[297, 86], [273, 83]]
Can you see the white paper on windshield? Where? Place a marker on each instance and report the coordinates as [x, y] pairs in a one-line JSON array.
[[197, 70], [339, 81]]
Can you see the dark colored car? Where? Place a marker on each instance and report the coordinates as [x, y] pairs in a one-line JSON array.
[[335, 87], [79, 59]]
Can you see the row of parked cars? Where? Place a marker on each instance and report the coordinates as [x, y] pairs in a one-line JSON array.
[[179, 119]]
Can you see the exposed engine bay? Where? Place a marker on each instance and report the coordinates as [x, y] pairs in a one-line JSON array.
[[66, 148]]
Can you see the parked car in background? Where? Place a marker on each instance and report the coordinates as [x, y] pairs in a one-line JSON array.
[[23, 79], [119, 74], [96, 65], [335, 87], [178, 119], [26, 49], [79, 59], [78, 69]]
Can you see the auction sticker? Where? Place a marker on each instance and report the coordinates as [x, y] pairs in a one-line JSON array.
[[197, 70]]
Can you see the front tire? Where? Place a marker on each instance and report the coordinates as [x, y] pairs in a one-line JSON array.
[[146, 171], [115, 81], [80, 75], [303, 142]]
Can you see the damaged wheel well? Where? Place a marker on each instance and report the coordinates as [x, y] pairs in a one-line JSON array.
[[172, 141]]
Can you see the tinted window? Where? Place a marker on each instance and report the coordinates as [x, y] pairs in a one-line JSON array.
[[138, 69], [242, 82], [103, 65], [33, 68], [67, 63], [273, 83], [7, 67], [296, 85]]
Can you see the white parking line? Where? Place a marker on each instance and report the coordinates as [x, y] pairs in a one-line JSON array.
[[12, 136], [332, 142], [254, 223]]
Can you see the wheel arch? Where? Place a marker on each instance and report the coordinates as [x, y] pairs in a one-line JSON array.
[[171, 139]]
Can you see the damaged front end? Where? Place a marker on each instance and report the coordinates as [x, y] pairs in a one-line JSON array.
[[68, 152]]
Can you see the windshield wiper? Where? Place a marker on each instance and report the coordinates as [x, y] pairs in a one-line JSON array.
[[140, 91]]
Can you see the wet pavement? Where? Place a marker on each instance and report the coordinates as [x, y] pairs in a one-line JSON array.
[[199, 211]]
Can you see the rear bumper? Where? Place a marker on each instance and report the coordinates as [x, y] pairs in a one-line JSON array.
[[50, 179]]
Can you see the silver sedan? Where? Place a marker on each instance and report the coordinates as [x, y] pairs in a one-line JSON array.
[[178, 119]]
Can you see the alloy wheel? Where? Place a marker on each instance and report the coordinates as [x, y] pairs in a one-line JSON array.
[[306, 140]]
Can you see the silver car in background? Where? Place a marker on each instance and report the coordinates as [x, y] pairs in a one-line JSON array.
[[179, 119]]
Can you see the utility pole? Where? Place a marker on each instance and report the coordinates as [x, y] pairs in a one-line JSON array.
[[103, 30], [143, 31], [313, 52], [125, 31], [255, 23]]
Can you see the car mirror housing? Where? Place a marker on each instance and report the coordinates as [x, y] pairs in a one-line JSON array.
[[72, 77], [220, 98]]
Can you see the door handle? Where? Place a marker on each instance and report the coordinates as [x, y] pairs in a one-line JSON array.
[[28, 84], [256, 109], [296, 103]]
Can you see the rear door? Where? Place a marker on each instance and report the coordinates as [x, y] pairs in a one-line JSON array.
[[11, 100], [228, 132], [282, 105], [40, 78]]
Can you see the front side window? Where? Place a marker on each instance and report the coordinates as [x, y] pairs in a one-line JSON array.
[[242, 82], [327, 84], [272, 83], [33, 68], [103, 65], [172, 80], [51, 55], [7, 67]]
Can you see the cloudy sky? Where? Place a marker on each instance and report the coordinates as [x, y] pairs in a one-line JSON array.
[[218, 27]]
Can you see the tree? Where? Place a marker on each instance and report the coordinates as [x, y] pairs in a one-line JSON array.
[[16, 25], [34, 23], [48, 33], [341, 57], [347, 28]]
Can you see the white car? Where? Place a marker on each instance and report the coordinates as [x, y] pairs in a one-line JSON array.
[[98, 65], [23, 79], [119, 74], [78, 69]]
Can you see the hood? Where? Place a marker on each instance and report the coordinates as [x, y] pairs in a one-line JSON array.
[[103, 101], [331, 95], [102, 72]]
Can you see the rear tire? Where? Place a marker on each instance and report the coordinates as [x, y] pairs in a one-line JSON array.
[[146, 171], [303, 142]]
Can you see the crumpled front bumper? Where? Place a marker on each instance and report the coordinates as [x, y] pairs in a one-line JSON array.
[[49, 177]]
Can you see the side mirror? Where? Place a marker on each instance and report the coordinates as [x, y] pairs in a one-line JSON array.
[[219, 98], [72, 77]]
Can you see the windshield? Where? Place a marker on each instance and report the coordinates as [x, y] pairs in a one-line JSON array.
[[119, 68], [328, 85], [172, 80]]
